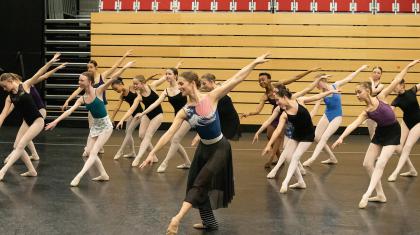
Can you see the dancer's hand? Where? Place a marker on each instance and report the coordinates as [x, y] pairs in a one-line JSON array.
[[414, 62], [128, 53], [178, 65], [139, 115], [65, 106], [262, 58], [148, 161], [119, 125], [255, 138], [266, 150], [50, 126], [337, 142], [315, 69], [244, 115], [363, 67], [56, 57]]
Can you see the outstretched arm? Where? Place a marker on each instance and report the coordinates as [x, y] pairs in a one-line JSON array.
[[120, 101], [350, 77], [273, 116], [130, 111], [102, 88], [317, 96], [50, 73], [295, 78], [360, 119], [259, 108], [176, 124], [7, 109], [33, 80], [117, 64], [308, 89], [64, 115], [232, 82], [387, 90], [71, 97]]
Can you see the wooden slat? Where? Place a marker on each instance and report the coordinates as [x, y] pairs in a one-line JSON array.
[[250, 52], [276, 64], [272, 30], [256, 18]]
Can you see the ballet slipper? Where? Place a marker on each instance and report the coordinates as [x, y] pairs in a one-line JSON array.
[[308, 163], [117, 156], [29, 174], [75, 182], [392, 178], [409, 174], [173, 227], [184, 166], [363, 203], [129, 155], [329, 161], [378, 198], [34, 157], [162, 167], [101, 178], [135, 162], [283, 189], [300, 185], [271, 175], [199, 226]]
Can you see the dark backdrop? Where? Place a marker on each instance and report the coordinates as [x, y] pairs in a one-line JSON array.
[[21, 30]]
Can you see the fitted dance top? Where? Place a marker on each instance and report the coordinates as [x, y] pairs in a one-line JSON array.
[[408, 103], [333, 105], [25, 105], [97, 85], [129, 98], [205, 121], [177, 101], [149, 100], [383, 114], [303, 128], [37, 98], [96, 107]]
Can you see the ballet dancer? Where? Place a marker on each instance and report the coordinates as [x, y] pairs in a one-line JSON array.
[[303, 134], [210, 180], [332, 118], [387, 134], [101, 128]]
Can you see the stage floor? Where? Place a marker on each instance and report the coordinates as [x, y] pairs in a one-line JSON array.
[[142, 201]]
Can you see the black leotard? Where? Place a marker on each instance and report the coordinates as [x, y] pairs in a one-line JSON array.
[[177, 101], [129, 98], [408, 103], [25, 105], [303, 127], [149, 100]]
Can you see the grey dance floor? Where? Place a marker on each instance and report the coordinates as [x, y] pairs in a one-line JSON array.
[[142, 202]]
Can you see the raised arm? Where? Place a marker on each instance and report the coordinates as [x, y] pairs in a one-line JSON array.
[[273, 116], [387, 90], [276, 133], [117, 64], [120, 101], [259, 108], [316, 97], [130, 111], [154, 105], [102, 88], [360, 119], [64, 115], [50, 73], [295, 78], [33, 80], [176, 124], [351, 76], [71, 97], [227, 86], [308, 89], [7, 109]]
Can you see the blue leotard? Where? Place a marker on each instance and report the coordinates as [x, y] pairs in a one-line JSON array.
[[333, 103]]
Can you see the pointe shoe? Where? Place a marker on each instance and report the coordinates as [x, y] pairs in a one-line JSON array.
[[329, 161], [283, 189], [300, 185], [162, 167], [29, 174], [409, 174], [378, 198], [172, 227], [135, 162], [307, 163], [271, 175], [75, 182], [101, 178], [184, 166], [363, 203], [34, 158]]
